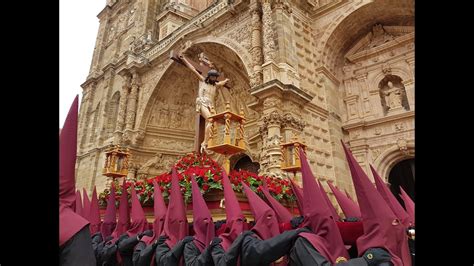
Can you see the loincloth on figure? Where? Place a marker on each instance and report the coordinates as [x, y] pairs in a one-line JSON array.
[[203, 102]]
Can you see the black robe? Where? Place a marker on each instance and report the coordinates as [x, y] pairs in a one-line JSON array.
[[97, 245], [108, 254], [78, 250], [125, 248], [411, 246], [304, 253], [194, 257], [254, 251], [220, 257], [143, 254], [164, 256]]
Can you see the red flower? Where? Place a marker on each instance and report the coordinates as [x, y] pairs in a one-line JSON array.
[[205, 187]]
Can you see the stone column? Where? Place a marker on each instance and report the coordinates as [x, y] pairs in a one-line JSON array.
[[88, 98], [270, 156], [132, 102], [122, 104], [268, 34], [256, 48], [292, 126]]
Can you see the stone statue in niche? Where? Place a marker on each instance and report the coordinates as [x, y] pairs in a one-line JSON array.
[[393, 96]]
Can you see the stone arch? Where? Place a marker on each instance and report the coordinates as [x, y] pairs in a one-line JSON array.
[[238, 52], [403, 73], [346, 29], [402, 175], [391, 156], [235, 159]]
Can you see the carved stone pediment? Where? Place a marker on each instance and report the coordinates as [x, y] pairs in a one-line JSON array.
[[379, 39]]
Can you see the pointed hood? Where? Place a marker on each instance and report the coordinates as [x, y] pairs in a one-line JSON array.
[[203, 224], [348, 195], [110, 216], [409, 205], [390, 198], [283, 214], [86, 207], [159, 211], [381, 227], [67, 158], [137, 215], [176, 223], [235, 220], [266, 223], [78, 204], [349, 208], [69, 222], [94, 214], [326, 237], [298, 193], [123, 222], [328, 202]]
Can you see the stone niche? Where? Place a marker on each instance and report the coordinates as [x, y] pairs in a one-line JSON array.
[[393, 96]]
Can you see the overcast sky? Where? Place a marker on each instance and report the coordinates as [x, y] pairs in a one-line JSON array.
[[78, 25]]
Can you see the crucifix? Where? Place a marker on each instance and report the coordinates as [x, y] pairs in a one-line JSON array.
[[209, 80]]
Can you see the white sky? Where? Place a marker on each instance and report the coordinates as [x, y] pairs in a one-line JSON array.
[[78, 25]]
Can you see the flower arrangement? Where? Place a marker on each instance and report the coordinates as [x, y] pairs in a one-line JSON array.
[[208, 177]]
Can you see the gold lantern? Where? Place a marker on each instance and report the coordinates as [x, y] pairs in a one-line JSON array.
[[116, 162], [290, 155], [226, 135]]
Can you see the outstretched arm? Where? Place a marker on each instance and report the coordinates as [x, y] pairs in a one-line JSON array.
[[186, 62], [222, 83]]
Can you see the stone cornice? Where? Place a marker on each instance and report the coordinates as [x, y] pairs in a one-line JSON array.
[[213, 11], [285, 90], [327, 73], [320, 11], [115, 66], [397, 42], [368, 123], [317, 109]]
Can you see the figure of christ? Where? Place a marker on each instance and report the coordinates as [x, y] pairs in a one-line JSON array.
[[208, 85]]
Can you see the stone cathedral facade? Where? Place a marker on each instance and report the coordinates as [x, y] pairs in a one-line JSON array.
[[323, 70]]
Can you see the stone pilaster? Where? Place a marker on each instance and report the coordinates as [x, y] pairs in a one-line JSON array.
[[256, 48], [132, 102], [122, 104], [268, 33]]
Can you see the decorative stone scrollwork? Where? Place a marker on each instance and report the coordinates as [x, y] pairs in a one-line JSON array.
[[268, 34], [143, 43], [402, 145], [274, 118], [290, 121]]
